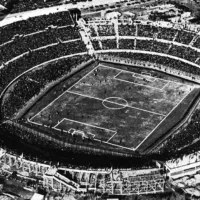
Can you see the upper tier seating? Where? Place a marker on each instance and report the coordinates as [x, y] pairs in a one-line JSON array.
[[109, 44], [30, 84], [167, 33], [147, 30], [34, 24], [127, 30], [106, 30], [36, 57], [166, 61], [184, 37], [20, 45]]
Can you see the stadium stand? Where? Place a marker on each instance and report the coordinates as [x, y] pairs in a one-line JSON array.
[[96, 45], [34, 24], [166, 61], [160, 47], [186, 53], [55, 34], [184, 37], [144, 45], [20, 45], [197, 43], [30, 84], [36, 57], [109, 44], [167, 33], [106, 30], [127, 30], [126, 44], [184, 138], [48, 150], [147, 30]]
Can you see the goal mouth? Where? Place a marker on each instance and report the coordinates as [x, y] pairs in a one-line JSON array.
[[114, 103]]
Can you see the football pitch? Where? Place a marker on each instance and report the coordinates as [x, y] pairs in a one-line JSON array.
[[114, 106]]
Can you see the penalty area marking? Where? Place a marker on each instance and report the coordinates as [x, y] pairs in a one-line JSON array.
[[85, 124], [106, 142], [102, 65], [163, 88], [111, 137], [138, 84], [118, 73]]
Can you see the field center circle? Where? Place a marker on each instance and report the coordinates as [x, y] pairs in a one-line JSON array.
[[115, 103]]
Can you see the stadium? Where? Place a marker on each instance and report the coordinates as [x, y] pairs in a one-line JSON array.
[[114, 99]]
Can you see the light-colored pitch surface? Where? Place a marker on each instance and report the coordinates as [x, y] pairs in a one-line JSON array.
[[115, 106]]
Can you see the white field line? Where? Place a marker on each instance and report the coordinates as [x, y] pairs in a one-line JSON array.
[[136, 76], [83, 95], [146, 74], [132, 149], [64, 92], [86, 124], [118, 74], [165, 86], [111, 137], [91, 134], [60, 130], [59, 122], [163, 119], [82, 78], [140, 74], [155, 88], [36, 123]]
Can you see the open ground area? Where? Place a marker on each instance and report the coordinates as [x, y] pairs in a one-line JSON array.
[[114, 106]]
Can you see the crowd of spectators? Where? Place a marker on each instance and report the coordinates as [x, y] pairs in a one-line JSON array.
[[96, 45], [34, 24], [144, 45], [109, 44], [183, 52], [177, 51], [20, 45], [126, 44], [167, 33], [33, 82], [160, 47], [93, 32], [186, 53], [106, 30], [165, 61], [147, 30], [33, 146], [36, 57], [127, 30], [184, 37], [197, 43], [184, 138]]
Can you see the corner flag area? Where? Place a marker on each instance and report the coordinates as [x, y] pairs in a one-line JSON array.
[[115, 106]]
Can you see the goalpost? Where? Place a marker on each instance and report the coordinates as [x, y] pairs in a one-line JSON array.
[[83, 134], [146, 74]]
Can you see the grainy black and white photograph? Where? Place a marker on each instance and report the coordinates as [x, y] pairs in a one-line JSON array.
[[99, 100]]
